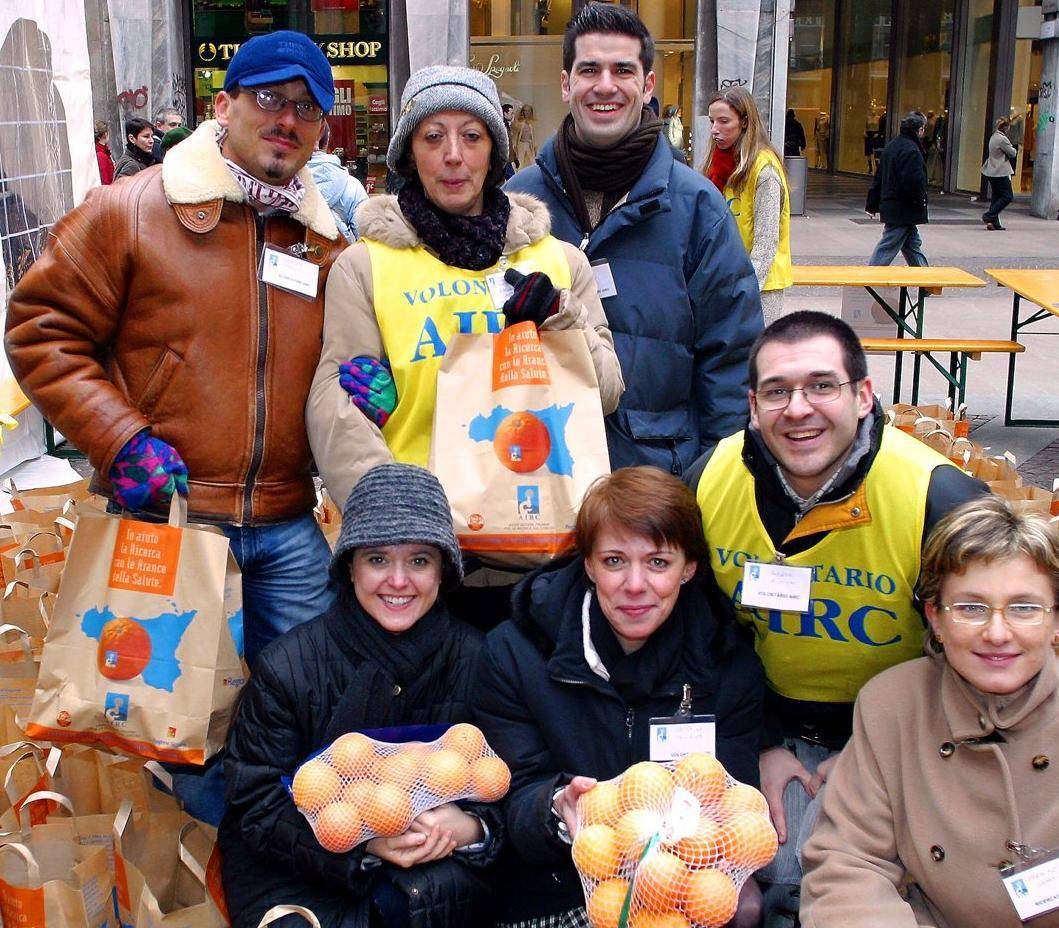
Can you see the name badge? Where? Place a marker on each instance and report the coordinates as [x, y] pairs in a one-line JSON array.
[[604, 278], [499, 289], [287, 272], [1033, 885], [676, 736], [776, 586]]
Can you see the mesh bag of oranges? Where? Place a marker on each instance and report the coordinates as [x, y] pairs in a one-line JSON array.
[[670, 845], [360, 787]]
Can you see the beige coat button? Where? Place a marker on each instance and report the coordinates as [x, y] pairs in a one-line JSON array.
[[1041, 762], [937, 852], [947, 749]]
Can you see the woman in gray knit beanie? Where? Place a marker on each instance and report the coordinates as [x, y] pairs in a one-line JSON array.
[[450, 254]]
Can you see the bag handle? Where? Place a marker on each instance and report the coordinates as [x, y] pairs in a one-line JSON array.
[[278, 911], [32, 868], [178, 511], [161, 774], [44, 795], [10, 588], [23, 638], [187, 858]]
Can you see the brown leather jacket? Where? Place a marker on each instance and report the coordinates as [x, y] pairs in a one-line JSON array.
[[146, 310]]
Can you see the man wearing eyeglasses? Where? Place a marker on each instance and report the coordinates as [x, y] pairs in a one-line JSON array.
[[837, 505], [172, 328]]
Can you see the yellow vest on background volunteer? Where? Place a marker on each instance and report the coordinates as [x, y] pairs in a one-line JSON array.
[[741, 203], [420, 303], [861, 618]]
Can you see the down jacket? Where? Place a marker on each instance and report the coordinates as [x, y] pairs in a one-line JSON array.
[[685, 314], [552, 718], [346, 445], [918, 810], [146, 311], [308, 687]]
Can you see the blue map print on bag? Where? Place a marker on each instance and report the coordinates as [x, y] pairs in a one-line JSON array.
[[554, 418], [165, 630]]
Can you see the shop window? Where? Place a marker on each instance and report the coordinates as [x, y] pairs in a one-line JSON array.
[[863, 86], [810, 75], [352, 35]]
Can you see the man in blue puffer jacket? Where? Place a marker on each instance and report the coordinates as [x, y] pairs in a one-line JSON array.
[[683, 303]]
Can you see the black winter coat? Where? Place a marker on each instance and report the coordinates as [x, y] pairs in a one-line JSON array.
[[551, 718], [899, 191], [308, 687]]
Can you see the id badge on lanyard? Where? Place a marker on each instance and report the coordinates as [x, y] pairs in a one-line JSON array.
[[288, 272], [675, 736], [1032, 883]]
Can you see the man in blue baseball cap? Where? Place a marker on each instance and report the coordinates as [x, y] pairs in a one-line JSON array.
[[173, 329]]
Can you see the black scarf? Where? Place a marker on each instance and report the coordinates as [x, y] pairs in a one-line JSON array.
[[138, 154], [637, 675], [611, 171], [471, 242], [387, 660]]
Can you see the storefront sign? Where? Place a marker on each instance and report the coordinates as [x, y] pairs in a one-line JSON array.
[[495, 67], [338, 51]]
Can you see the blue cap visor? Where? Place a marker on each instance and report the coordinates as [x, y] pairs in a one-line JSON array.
[[323, 94]]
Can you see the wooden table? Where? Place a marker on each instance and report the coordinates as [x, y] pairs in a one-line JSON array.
[[1041, 288], [908, 314]]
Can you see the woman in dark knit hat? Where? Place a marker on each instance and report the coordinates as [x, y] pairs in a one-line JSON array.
[[431, 263], [386, 654]]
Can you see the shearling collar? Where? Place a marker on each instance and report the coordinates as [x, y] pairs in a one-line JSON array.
[[195, 172], [381, 220]]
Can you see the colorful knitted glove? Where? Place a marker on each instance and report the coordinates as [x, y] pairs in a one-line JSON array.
[[146, 472], [370, 384], [534, 299]]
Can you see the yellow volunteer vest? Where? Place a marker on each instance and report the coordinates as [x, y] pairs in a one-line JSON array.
[[861, 619], [420, 303], [741, 203]]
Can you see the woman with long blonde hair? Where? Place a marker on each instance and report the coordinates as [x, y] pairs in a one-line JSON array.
[[748, 170]]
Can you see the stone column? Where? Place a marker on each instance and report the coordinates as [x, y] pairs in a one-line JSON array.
[[1044, 201]]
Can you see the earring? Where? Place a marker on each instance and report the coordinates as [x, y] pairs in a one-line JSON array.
[[683, 580]]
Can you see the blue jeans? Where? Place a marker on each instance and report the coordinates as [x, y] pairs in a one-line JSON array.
[[904, 239], [285, 580]]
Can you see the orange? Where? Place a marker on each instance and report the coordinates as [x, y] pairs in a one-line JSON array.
[[338, 827], [711, 898], [401, 769], [703, 847], [601, 804], [740, 798], [124, 649], [647, 919], [388, 810], [352, 755], [635, 829], [522, 442], [749, 840], [606, 902], [490, 779], [646, 785], [445, 773], [659, 881], [596, 852], [315, 784], [701, 775], [465, 739], [357, 792]]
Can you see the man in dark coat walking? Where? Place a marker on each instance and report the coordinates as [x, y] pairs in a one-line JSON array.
[[900, 193]]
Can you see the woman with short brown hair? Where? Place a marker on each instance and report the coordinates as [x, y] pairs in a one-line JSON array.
[[600, 643]]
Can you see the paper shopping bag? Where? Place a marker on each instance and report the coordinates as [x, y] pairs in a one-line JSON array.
[[19, 668], [518, 437], [50, 881], [141, 652], [166, 871], [29, 610]]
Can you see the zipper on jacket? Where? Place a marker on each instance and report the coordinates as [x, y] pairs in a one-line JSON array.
[[630, 717], [257, 449]]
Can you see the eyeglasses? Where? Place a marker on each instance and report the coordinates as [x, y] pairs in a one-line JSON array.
[[271, 101], [1016, 615], [817, 393]]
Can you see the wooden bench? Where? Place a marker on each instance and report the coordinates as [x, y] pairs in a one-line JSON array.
[[959, 350]]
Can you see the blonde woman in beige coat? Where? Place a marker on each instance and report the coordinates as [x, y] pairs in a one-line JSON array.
[[952, 772]]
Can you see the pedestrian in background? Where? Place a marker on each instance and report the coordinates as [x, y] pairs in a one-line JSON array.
[[103, 156], [998, 171], [748, 170], [343, 192], [139, 148], [899, 192], [168, 117], [793, 136]]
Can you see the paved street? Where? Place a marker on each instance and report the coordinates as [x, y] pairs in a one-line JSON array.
[[835, 230]]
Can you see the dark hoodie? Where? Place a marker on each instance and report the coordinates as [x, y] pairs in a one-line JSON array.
[[551, 717]]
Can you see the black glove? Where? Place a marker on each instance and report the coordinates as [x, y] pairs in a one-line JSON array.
[[534, 299]]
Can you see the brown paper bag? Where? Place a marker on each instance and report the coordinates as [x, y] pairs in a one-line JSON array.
[[328, 516], [518, 438], [42, 498], [41, 549], [134, 779], [19, 668], [53, 882], [280, 911], [162, 867], [140, 655], [28, 770], [29, 610]]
